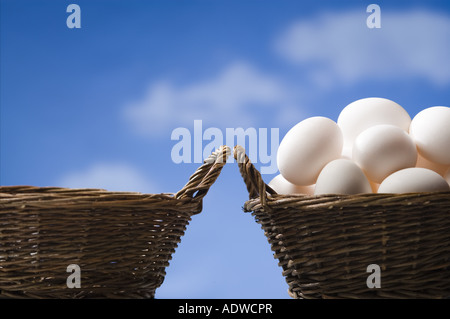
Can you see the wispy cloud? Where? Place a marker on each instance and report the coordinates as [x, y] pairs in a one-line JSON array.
[[237, 95], [109, 176], [339, 46]]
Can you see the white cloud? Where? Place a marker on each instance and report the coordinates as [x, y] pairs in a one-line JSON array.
[[238, 95], [109, 176], [341, 47]]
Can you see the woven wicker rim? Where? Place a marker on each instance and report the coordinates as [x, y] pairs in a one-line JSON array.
[[195, 189]]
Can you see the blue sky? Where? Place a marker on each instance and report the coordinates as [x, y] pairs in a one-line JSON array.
[[95, 106]]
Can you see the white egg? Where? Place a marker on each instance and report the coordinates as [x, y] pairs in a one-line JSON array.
[[364, 113], [342, 176], [424, 163], [307, 148], [383, 149], [282, 186], [412, 180], [430, 130]]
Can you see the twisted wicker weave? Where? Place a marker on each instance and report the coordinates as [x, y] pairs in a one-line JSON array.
[[121, 241], [325, 243]]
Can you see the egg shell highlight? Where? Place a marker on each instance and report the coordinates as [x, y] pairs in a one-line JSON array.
[[307, 148]]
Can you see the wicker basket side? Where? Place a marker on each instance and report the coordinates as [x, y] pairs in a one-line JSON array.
[[325, 243], [121, 241]]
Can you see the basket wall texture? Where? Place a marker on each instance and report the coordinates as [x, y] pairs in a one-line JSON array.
[[121, 241], [326, 243]]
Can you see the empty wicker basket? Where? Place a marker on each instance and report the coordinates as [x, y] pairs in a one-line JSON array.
[[326, 243], [121, 241]]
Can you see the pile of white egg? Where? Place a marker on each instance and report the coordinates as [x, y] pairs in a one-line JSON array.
[[373, 147]]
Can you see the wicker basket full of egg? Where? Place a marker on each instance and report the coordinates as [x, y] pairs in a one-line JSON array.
[[91, 243], [361, 207]]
